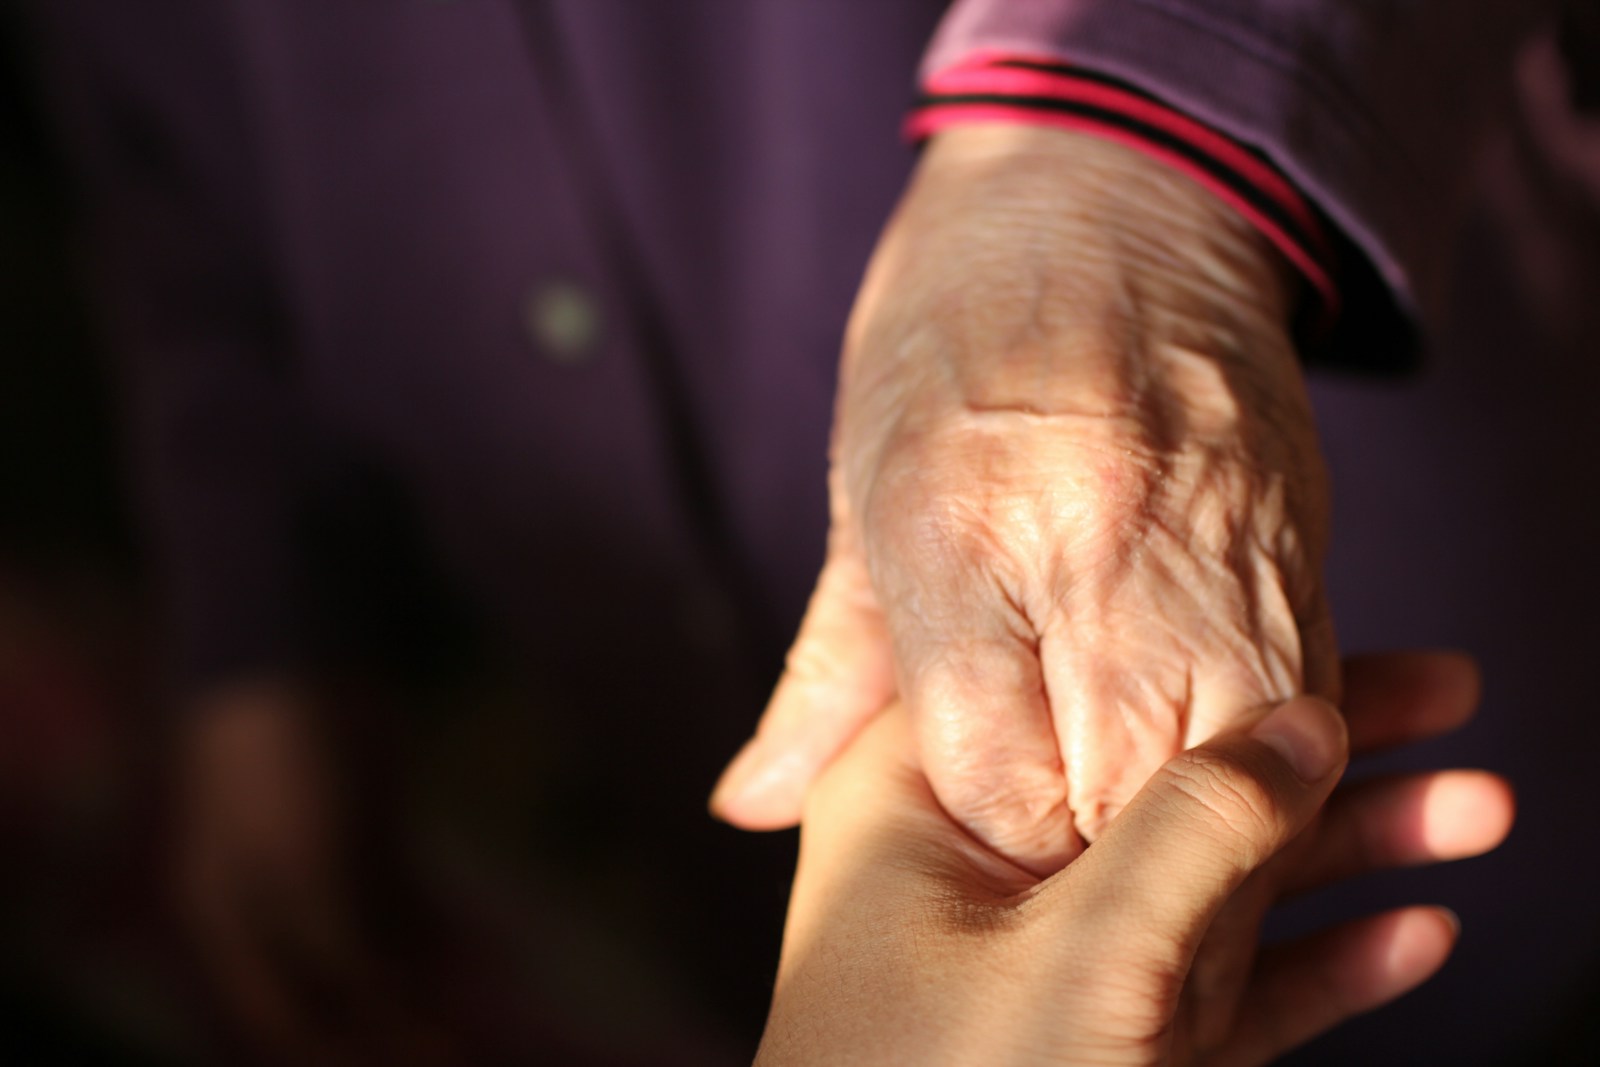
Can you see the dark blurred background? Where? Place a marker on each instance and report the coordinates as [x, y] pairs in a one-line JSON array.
[[86, 974], [488, 872]]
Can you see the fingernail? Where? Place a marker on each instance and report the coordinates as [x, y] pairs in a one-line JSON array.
[[1453, 919], [1306, 732]]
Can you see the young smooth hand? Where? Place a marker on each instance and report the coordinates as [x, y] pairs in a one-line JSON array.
[[910, 942]]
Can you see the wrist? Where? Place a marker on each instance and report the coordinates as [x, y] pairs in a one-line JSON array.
[[1054, 273], [1048, 91], [1113, 198]]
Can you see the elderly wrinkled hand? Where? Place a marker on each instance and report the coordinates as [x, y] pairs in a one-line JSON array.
[[1078, 506], [909, 942]]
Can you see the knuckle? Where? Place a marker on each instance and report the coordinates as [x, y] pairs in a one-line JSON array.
[[949, 564], [1229, 804], [1120, 494], [1110, 508]]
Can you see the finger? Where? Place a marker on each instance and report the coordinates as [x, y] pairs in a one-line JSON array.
[[1319, 644], [1288, 649], [1395, 698], [1227, 952], [1404, 821], [875, 842], [1224, 960], [973, 685], [1306, 987], [1205, 821], [876, 791], [838, 674], [1378, 824], [1115, 727]]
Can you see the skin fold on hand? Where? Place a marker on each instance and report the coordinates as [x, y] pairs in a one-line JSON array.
[[909, 942], [1078, 504]]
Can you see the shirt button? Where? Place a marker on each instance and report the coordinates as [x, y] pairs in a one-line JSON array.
[[563, 321]]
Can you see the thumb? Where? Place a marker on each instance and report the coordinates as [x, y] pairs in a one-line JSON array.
[[838, 674], [1204, 822]]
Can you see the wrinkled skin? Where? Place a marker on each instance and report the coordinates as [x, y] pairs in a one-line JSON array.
[[1078, 508], [909, 942]]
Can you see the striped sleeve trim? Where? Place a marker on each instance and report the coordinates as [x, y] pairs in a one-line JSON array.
[[1048, 92]]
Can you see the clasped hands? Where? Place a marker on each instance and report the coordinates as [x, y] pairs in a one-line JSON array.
[[1078, 506], [909, 942], [1078, 516]]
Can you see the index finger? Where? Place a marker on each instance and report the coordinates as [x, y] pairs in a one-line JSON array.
[[1395, 698]]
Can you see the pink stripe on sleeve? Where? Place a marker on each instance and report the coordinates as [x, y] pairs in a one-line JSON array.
[[1009, 81]]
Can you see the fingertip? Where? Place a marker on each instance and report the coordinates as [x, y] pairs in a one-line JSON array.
[[1391, 698], [1507, 797], [806, 725], [1470, 672], [757, 814], [1308, 733], [1457, 679], [1467, 813], [726, 792], [1303, 988], [759, 791], [1419, 941]]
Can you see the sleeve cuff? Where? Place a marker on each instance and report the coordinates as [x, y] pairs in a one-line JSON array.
[[1044, 91]]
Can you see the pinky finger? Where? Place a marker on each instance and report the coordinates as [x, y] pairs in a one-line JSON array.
[[1303, 988]]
